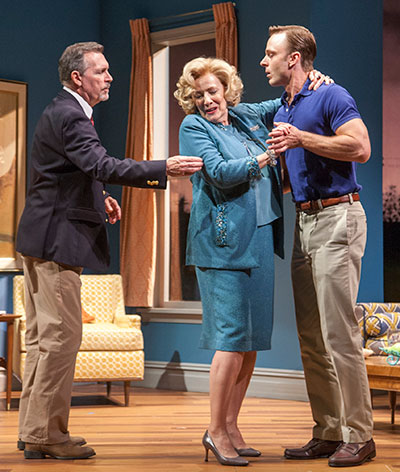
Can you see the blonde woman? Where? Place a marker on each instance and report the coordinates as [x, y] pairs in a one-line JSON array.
[[235, 227]]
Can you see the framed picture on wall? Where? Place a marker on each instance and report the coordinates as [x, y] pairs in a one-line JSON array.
[[13, 103]]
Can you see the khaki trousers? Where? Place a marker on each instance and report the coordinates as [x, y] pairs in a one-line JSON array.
[[326, 266], [53, 337]]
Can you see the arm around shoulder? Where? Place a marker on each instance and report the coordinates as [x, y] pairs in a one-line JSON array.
[[265, 111]]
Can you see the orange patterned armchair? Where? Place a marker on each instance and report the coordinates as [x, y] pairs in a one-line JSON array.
[[112, 343]]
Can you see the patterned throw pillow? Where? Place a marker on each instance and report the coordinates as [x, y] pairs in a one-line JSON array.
[[86, 318], [377, 325]]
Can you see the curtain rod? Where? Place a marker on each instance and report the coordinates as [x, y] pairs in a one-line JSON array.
[[185, 14]]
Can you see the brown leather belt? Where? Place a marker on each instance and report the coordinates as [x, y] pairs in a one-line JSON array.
[[316, 205]]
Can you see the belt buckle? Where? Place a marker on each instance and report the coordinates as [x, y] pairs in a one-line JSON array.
[[316, 205]]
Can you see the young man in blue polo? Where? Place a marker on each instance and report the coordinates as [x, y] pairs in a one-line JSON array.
[[322, 137]]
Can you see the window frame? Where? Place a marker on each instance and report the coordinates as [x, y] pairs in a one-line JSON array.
[[161, 41]]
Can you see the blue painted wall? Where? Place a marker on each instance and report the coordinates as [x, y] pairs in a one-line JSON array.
[[348, 52], [32, 38], [349, 49]]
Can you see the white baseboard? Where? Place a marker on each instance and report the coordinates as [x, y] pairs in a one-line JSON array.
[[267, 383]]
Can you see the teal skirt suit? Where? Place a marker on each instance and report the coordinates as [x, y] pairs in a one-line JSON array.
[[235, 226]]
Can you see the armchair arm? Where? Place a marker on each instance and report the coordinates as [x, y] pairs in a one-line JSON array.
[[128, 321], [20, 325]]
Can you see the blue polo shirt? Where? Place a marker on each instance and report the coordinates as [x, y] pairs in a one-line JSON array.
[[321, 112]]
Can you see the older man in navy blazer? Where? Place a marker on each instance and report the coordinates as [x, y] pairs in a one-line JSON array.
[[62, 230]]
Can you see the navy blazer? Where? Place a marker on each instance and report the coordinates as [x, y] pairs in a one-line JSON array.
[[64, 219], [223, 220]]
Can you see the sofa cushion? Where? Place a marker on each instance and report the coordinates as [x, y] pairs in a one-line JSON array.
[[105, 337], [109, 337], [110, 365]]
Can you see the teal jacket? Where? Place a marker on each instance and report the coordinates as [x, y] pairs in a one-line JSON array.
[[223, 219]]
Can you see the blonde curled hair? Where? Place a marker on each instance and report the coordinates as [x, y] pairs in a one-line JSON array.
[[200, 66]]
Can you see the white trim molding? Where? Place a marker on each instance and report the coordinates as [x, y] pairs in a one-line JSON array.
[[266, 383], [184, 34], [168, 315]]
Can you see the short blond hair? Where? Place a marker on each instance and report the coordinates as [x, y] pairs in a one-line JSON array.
[[226, 74], [299, 39]]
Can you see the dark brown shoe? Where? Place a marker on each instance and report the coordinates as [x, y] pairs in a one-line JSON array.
[[349, 454], [77, 440], [66, 450], [314, 449]]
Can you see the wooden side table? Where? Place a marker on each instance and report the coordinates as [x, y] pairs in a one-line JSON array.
[[383, 376], [9, 319]]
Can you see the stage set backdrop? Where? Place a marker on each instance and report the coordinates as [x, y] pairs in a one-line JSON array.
[[391, 149], [349, 36]]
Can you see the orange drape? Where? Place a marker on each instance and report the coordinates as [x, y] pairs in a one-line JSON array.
[[226, 32], [138, 222]]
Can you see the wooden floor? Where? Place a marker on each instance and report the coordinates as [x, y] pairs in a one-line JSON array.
[[161, 431]]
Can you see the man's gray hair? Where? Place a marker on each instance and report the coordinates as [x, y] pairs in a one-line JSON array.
[[73, 58]]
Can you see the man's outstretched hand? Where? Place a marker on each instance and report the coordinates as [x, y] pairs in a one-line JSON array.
[[183, 165]]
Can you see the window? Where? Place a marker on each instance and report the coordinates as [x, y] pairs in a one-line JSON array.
[[176, 285]]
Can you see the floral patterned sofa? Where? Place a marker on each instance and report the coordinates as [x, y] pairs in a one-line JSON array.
[[112, 342]]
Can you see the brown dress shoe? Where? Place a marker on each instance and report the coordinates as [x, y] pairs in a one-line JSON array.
[[66, 450], [314, 449], [77, 440], [349, 454]]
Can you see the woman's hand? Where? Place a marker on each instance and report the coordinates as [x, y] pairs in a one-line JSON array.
[[317, 79], [267, 158]]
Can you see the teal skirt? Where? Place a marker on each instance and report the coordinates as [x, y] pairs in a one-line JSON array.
[[238, 304]]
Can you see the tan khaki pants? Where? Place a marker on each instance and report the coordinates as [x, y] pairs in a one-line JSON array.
[[326, 266], [53, 337]]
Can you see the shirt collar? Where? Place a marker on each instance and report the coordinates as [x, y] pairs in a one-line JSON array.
[[82, 102], [304, 91]]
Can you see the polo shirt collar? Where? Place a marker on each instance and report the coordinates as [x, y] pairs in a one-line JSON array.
[[304, 92]]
